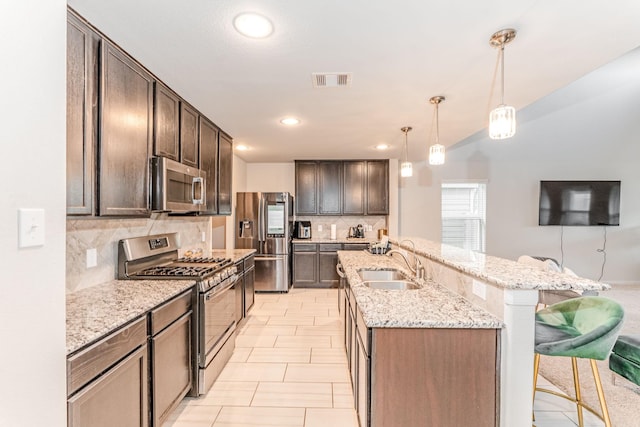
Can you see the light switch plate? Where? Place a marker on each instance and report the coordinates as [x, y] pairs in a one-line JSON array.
[[92, 257], [30, 227], [319, 227]]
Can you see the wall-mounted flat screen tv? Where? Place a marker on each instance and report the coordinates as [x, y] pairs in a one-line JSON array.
[[579, 203]]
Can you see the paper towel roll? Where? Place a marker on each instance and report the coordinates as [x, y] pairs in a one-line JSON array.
[[333, 232]]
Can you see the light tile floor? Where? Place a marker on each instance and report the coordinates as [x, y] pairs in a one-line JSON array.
[[289, 368]]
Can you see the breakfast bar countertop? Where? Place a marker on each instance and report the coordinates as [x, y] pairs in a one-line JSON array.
[[432, 306], [501, 272]]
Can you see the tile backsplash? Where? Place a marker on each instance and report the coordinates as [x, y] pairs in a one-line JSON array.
[[342, 225], [104, 234]]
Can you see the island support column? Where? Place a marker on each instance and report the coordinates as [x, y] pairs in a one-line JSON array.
[[516, 378]]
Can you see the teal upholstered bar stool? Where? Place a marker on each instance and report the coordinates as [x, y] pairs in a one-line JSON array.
[[585, 327]]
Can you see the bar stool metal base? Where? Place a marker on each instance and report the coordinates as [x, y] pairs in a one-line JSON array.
[[580, 404]]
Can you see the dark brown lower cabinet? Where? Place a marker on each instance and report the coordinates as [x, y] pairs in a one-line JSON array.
[[327, 260], [305, 265], [117, 398], [314, 265], [137, 375], [422, 377], [171, 365]]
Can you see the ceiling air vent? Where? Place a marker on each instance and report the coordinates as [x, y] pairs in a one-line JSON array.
[[331, 79]]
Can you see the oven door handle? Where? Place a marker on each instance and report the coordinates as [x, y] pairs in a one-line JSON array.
[[219, 289]]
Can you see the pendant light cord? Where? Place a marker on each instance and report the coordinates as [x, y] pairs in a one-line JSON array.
[[501, 54], [406, 147], [437, 125]]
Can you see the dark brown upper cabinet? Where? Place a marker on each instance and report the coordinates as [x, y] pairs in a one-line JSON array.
[[209, 163], [225, 173], [306, 176], [125, 135], [166, 122], [189, 135], [329, 188], [377, 187], [350, 187], [83, 59], [355, 180], [118, 116]]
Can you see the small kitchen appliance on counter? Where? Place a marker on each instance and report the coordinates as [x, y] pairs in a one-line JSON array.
[[302, 230], [356, 232]]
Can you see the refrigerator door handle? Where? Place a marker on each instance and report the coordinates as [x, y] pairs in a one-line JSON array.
[[261, 222]]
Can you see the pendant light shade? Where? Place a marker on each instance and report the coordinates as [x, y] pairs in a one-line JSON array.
[[436, 150], [502, 120], [406, 168], [436, 154]]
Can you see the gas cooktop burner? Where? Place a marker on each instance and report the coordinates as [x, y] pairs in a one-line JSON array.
[[188, 271], [201, 259]]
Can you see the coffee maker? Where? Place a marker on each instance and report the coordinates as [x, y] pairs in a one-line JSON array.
[[356, 232], [302, 229]]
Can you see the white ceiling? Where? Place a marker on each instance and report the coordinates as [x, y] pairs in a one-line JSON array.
[[401, 53]]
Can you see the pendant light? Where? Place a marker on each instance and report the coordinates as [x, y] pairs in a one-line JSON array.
[[406, 168], [502, 119], [436, 151]]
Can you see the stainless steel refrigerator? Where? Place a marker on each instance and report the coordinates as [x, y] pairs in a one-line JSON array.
[[264, 222]]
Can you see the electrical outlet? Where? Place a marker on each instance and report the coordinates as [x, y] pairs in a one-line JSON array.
[[479, 289], [203, 237], [92, 258], [319, 227]]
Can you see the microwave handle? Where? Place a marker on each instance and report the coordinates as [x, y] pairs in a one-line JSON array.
[[198, 200]]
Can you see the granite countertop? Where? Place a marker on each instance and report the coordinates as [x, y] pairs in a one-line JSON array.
[[500, 272], [365, 240], [432, 306], [234, 254], [94, 312]]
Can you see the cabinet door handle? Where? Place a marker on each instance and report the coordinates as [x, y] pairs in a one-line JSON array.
[[340, 270]]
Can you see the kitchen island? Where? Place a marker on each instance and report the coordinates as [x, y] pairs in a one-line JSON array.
[[475, 291]]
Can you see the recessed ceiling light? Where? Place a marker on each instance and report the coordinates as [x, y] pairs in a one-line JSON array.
[[290, 121], [382, 147], [241, 147], [253, 25]]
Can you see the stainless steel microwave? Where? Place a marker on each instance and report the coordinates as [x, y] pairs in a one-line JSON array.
[[176, 187]]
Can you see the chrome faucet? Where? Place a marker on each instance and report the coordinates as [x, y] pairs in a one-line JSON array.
[[418, 269]]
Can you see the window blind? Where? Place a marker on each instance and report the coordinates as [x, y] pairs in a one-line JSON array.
[[464, 215]]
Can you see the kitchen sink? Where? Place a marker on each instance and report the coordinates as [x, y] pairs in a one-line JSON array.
[[380, 275], [392, 285]]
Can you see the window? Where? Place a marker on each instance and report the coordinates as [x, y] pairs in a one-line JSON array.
[[464, 214]]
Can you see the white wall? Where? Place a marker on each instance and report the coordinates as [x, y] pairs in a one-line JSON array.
[[32, 137], [271, 177], [588, 130]]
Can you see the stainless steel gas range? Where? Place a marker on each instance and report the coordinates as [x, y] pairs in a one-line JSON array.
[[156, 257]]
